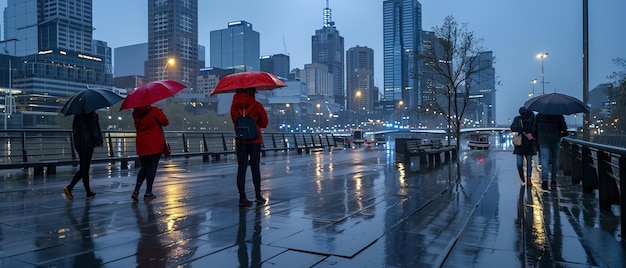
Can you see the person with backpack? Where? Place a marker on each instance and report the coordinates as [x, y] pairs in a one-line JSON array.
[[243, 110]]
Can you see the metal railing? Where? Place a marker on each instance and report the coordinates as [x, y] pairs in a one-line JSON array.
[[46, 148], [600, 167]]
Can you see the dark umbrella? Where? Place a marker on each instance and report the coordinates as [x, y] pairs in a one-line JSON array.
[[257, 80], [151, 93], [89, 100], [556, 103]]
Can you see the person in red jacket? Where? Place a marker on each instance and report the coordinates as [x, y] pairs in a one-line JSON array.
[[149, 123], [248, 151]]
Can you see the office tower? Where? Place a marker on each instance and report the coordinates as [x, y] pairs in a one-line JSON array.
[[130, 60], [402, 29], [277, 64], [482, 90], [236, 47], [173, 35], [327, 48], [58, 57], [360, 78]]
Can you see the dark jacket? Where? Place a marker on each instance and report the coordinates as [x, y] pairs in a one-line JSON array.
[[524, 124], [549, 127], [243, 100], [86, 131], [149, 122]]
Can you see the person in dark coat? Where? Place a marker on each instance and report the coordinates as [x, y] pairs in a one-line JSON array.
[[523, 125], [149, 123], [87, 136], [249, 151], [549, 129]]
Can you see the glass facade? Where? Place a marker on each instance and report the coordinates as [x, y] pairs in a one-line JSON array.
[[402, 27], [236, 47]]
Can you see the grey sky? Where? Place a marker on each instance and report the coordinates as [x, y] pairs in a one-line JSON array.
[[514, 30]]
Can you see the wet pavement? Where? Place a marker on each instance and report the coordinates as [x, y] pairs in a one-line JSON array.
[[345, 208]]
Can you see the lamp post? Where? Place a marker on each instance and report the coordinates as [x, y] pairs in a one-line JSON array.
[[319, 118], [170, 61], [542, 56], [534, 81], [8, 100], [354, 109]]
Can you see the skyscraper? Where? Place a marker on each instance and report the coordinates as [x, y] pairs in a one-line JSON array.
[[236, 47], [58, 57], [360, 78], [277, 64], [402, 29], [173, 34], [482, 89], [328, 49]]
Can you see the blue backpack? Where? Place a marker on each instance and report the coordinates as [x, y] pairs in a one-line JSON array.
[[245, 126]]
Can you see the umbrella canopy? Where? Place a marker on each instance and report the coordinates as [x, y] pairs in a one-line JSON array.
[[556, 103], [89, 100], [257, 80], [151, 92]]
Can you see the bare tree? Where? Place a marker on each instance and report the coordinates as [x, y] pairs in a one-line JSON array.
[[453, 62]]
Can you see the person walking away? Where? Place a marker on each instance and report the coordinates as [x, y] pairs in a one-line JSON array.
[[87, 136], [248, 151], [149, 123], [523, 125], [549, 129]]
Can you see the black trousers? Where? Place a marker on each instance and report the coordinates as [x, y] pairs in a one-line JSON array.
[[248, 153]]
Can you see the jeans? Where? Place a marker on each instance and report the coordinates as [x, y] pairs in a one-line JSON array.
[[529, 164], [149, 164], [549, 155]]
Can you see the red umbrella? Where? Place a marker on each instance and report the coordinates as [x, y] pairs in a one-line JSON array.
[[151, 93], [257, 80]]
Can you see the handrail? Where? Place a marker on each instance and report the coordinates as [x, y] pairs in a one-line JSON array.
[[39, 148], [600, 167]]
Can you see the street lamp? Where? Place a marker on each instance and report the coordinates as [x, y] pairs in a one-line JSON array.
[[354, 107], [534, 81], [170, 61], [542, 56]]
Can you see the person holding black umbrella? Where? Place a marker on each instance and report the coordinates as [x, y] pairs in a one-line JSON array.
[[549, 129], [87, 135], [248, 150]]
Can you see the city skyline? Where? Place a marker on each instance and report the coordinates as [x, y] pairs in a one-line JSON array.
[[515, 32]]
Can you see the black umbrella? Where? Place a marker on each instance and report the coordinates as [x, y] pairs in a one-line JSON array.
[[89, 100], [556, 103]]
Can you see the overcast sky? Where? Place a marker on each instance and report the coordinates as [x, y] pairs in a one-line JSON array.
[[514, 30]]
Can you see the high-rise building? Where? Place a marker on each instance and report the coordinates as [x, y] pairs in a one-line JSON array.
[[130, 60], [360, 78], [58, 57], [236, 47], [482, 90], [173, 41], [328, 49], [277, 64], [402, 29]]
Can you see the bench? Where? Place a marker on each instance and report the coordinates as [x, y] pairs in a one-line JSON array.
[[429, 152]]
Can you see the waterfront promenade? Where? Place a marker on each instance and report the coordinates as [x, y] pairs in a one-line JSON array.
[[346, 208]]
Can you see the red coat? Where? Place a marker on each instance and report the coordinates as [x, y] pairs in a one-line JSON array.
[[241, 100], [149, 122]]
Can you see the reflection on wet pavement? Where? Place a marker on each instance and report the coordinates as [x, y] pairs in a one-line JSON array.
[[345, 208]]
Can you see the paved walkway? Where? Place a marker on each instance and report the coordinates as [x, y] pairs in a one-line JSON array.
[[346, 208]]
